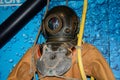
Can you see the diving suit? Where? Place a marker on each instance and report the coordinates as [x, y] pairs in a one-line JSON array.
[[56, 59]]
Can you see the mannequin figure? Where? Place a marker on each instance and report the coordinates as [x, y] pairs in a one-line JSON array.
[[56, 59]]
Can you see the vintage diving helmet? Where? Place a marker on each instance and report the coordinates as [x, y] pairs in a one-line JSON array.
[[60, 28]]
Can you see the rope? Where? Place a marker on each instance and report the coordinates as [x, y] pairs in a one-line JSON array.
[[35, 42], [46, 8], [80, 35], [92, 78], [33, 53], [66, 2]]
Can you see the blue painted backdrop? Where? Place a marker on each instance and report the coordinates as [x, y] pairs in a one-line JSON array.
[[102, 29]]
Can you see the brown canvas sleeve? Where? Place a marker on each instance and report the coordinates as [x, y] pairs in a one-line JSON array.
[[94, 63], [22, 69]]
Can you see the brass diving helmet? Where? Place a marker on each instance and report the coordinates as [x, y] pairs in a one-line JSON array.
[[61, 24], [60, 27]]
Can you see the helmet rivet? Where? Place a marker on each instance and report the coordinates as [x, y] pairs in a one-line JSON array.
[[67, 30]]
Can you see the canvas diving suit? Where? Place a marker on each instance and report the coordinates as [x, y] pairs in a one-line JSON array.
[[57, 58]]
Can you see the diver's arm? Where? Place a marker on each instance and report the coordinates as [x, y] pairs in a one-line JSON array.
[[22, 69], [95, 65]]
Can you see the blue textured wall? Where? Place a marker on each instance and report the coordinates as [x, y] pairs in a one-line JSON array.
[[102, 29]]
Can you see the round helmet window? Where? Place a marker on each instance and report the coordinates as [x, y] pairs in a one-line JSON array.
[[53, 24]]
